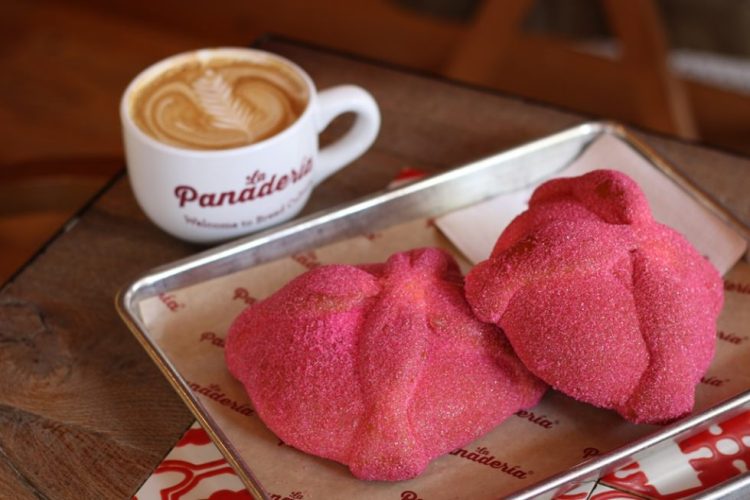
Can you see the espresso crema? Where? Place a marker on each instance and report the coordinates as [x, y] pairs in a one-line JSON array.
[[219, 103]]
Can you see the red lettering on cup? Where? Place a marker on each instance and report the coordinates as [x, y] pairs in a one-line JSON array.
[[244, 295], [257, 185]]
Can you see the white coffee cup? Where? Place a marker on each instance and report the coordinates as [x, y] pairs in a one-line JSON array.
[[212, 195]]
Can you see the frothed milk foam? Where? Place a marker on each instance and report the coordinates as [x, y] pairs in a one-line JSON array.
[[219, 103]]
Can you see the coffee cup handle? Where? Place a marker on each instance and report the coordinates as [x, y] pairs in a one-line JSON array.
[[332, 103]]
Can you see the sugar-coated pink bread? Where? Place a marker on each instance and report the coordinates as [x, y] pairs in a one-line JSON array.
[[381, 367], [600, 301]]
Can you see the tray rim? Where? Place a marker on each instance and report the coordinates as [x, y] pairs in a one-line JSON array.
[[128, 297]]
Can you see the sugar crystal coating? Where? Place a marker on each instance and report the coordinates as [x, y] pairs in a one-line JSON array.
[[599, 300], [380, 367]]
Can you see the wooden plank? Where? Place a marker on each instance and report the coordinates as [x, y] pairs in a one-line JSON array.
[[82, 411], [13, 484]]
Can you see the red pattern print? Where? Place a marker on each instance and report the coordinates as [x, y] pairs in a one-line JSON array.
[[410, 495], [231, 495], [729, 447], [307, 259], [196, 435], [192, 475], [243, 294], [695, 463]]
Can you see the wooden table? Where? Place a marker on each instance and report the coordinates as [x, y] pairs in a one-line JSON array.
[[85, 414]]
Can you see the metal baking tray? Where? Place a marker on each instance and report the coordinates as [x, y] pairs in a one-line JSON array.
[[501, 173]]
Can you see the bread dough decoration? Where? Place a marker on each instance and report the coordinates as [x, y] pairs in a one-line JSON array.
[[381, 367], [601, 301]]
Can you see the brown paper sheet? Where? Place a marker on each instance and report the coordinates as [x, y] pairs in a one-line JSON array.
[[190, 324]]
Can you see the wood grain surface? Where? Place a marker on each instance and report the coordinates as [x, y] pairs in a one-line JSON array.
[[83, 411]]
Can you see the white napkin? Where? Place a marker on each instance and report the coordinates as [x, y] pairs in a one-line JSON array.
[[474, 229]]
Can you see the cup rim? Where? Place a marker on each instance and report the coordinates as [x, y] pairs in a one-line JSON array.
[[157, 67]]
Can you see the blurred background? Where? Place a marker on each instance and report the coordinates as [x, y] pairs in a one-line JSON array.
[[680, 67]]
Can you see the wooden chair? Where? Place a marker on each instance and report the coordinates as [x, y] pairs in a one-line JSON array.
[[637, 86]]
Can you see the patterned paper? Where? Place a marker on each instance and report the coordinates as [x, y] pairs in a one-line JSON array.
[[191, 323], [194, 469]]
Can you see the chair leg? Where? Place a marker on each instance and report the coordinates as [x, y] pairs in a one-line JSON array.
[[661, 96]]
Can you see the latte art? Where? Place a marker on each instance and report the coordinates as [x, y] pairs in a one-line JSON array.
[[220, 103]]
